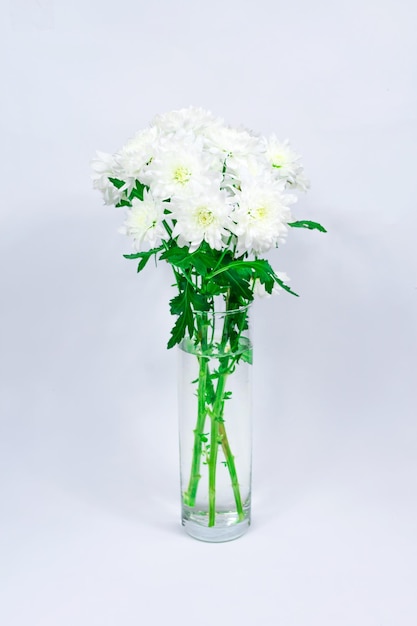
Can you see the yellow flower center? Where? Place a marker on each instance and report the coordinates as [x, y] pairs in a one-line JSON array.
[[182, 175], [259, 213], [204, 216], [278, 160]]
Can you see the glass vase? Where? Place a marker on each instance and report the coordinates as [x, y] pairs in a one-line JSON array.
[[215, 428]]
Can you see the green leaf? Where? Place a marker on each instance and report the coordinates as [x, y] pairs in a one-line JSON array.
[[137, 191], [123, 202], [263, 272], [177, 256], [181, 305], [144, 256], [135, 255], [178, 332], [213, 289], [142, 263], [240, 275], [246, 348], [308, 224], [236, 279], [202, 259], [285, 287], [201, 263], [188, 296], [184, 322], [117, 182], [199, 302], [247, 357]]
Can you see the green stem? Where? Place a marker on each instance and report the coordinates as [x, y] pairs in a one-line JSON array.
[[216, 420], [221, 436], [203, 376], [225, 251], [211, 402], [190, 494], [230, 459]]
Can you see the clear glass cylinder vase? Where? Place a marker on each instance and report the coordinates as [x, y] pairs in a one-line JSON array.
[[215, 426]]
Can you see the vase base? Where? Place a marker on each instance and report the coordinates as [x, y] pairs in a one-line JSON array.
[[226, 528]]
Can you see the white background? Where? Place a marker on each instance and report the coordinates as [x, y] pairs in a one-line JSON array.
[[89, 499]]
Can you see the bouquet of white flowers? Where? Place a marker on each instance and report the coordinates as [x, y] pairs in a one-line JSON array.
[[208, 199]]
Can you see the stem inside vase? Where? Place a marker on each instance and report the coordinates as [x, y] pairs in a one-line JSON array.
[[221, 434]]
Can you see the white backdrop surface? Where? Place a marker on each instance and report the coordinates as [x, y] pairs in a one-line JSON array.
[[89, 506]]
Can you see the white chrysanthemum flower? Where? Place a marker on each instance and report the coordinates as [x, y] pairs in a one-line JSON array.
[[241, 154], [260, 291], [202, 215], [286, 162], [104, 167], [261, 215], [234, 142], [191, 119], [177, 166], [243, 169], [135, 155], [144, 222], [301, 181]]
